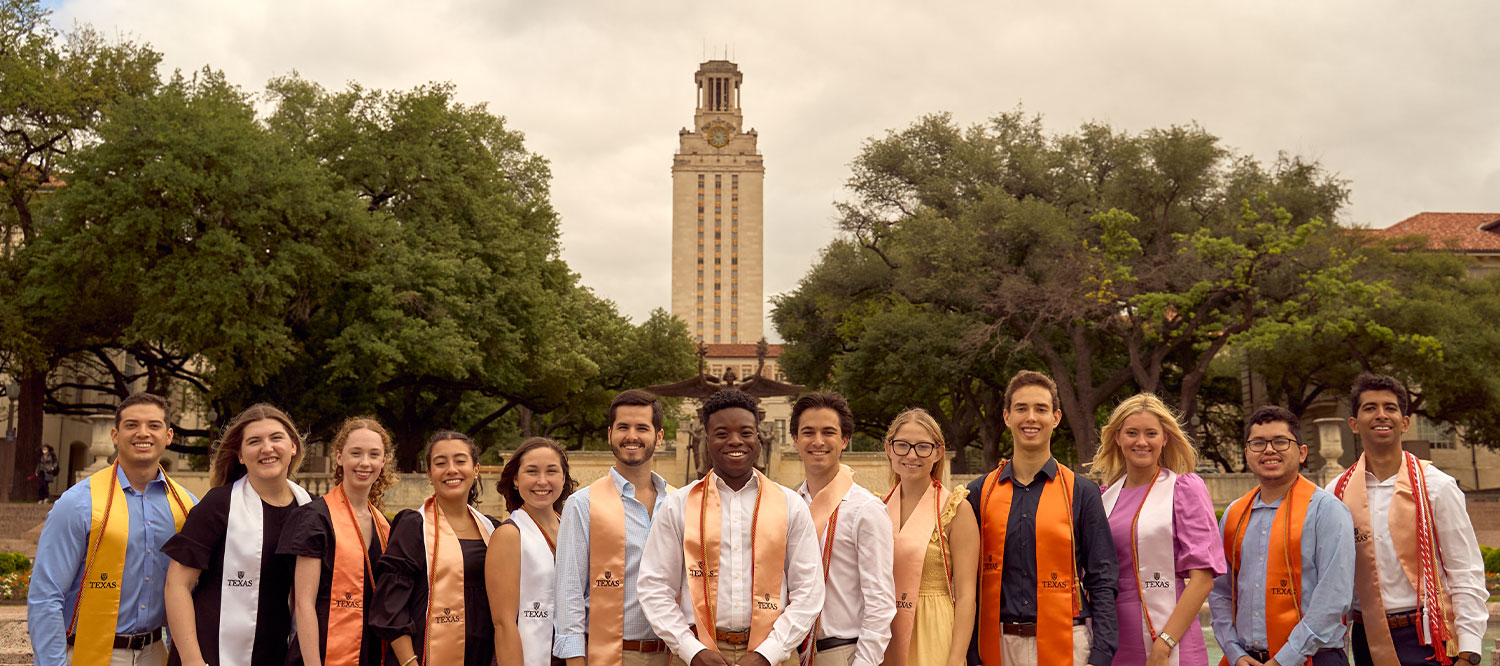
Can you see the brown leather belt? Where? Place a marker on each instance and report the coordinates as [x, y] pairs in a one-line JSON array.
[[657, 645], [1264, 656], [1027, 629], [134, 641], [732, 637], [1400, 620]]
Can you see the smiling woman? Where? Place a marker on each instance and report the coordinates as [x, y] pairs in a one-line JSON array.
[[519, 572], [242, 612]]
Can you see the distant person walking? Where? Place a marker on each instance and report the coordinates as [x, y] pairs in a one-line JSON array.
[[46, 471]]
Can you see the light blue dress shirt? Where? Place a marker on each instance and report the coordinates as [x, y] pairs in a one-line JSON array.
[[1327, 582], [571, 572], [58, 570]]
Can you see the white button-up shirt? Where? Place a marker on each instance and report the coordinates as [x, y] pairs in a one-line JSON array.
[[1462, 566], [861, 587], [663, 573]]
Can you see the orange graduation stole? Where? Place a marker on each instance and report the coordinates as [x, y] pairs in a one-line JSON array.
[[1057, 601], [910, 557], [444, 642], [346, 590], [1284, 573], [607, 571], [700, 547], [825, 515], [1414, 536]]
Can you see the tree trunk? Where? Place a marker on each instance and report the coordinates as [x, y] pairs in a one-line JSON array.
[[28, 445]]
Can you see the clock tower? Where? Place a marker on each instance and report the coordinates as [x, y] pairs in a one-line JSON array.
[[717, 225]]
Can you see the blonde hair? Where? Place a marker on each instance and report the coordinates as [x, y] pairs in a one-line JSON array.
[[226, 466], [920, 417], [1177, 454], [387, 476]]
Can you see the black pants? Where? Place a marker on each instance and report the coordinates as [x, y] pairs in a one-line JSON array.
[[1325, 657], [1409, 647], [43, 488]]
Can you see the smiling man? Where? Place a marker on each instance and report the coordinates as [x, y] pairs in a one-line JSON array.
[[1416, 558], [854, 535], [599, 546], [96, 592], [1047, 561], [743, 547], [1290, 546]]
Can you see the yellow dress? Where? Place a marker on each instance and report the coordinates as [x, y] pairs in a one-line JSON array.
[[932, 633]]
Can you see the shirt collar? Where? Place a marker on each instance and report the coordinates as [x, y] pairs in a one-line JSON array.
[[1049, 470], [627, 489], [124, 481], [750, 485]]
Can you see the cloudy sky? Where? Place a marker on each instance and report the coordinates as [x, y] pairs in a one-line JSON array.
[[1400, 98]]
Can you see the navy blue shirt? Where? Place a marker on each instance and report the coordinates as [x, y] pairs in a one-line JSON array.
[[1094, 551]]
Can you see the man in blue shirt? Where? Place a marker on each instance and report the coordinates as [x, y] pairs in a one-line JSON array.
[[612, 630], [1290, 546], [141, 509]]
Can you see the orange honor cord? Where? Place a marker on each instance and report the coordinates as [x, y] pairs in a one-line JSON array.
[[701, 542], [1057, 597], [909, 558], [1283, 574]]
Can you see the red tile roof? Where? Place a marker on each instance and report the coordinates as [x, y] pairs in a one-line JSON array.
[[740, 350], [1467, 232]]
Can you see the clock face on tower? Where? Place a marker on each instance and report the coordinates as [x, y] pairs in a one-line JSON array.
[[718, 136]]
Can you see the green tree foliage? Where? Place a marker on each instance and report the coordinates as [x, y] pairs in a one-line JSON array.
[[1115, 262]]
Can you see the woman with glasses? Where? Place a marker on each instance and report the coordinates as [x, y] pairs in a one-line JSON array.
[[937, 549], [1165, 534]]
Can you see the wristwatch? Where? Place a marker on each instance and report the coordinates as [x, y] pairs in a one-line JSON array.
[[1167, 638], [1473, 657]]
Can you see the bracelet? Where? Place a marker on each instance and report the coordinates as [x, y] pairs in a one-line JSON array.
[[408, 661], [1164, 636]]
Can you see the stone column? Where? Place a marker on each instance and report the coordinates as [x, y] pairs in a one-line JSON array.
[[1330, 445], [100, 446]]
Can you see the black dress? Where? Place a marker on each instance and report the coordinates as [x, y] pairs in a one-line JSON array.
[[200, 545], [310, 534], [400, 605]]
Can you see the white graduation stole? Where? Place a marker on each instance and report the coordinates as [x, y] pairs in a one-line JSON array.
[[240, 588], [1155, 558], [536, 594]]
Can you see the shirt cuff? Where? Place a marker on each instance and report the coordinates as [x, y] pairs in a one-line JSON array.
[[1233, 652], [771, 654], [1288, 654], [690, 648], [567, 646], [1471, 643]]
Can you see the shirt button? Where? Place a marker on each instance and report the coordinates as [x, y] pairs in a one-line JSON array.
[[143, 608]]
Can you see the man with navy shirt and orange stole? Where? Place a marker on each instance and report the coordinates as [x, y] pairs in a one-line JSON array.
[[1290, 546], [96, 593], [1047, 560]]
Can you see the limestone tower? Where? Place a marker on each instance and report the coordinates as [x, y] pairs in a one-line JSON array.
[[717, 224]]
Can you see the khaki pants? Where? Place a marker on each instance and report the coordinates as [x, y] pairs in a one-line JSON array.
[[732, 653], [1021, 650], [839, 656], [154, 654], [630, 658]]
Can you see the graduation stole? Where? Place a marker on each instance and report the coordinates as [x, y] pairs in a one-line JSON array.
[[346, 590], [93, 624], [239, 603], [1284, 573], [607, 572], [1057, 601], [825, 515], [700, 545], [443, 639], [1152, 550], [1414, 536], [909, 557]]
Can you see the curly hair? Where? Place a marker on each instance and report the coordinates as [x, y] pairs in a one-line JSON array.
[[1369, 381], [387, 476], [729, 399], [1177, 454], [226, 466], [506, 486]]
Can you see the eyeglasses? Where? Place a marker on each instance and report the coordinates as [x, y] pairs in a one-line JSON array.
[[901, 448], [1278, 443]]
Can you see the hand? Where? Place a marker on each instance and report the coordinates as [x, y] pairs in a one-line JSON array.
[[710, 657], [1161, 654], [753, 658], [1247, 660]]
